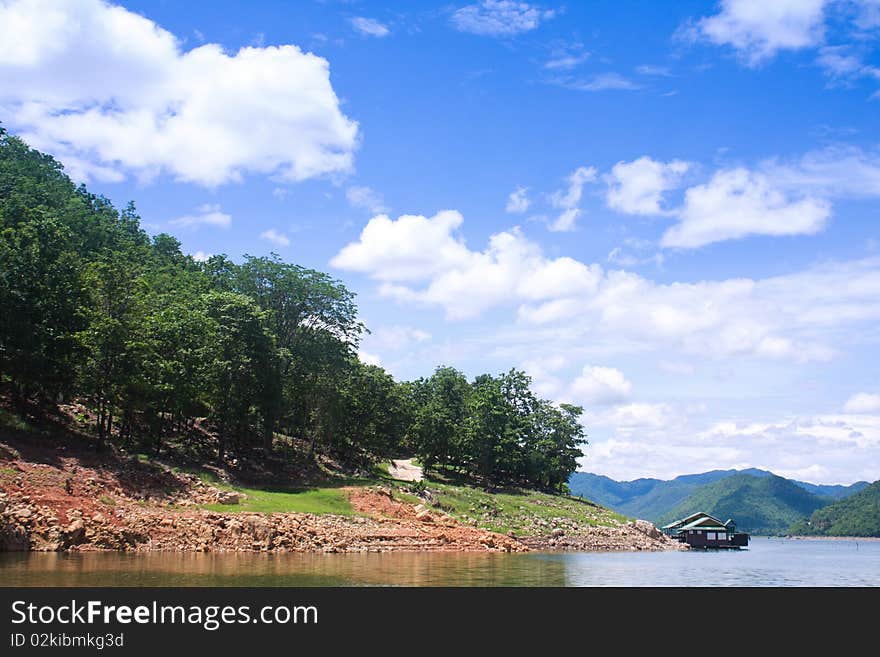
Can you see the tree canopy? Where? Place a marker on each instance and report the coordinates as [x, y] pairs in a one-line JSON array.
[[150, 339]]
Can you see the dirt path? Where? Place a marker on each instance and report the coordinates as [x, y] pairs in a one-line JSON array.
[[404, 470]]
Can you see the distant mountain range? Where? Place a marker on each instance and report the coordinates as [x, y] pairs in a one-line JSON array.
[[759, 501], [856, 515]]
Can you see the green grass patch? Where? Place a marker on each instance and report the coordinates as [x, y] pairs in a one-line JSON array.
[[106, 499], [525, 512], [8, 471], [311, 500]]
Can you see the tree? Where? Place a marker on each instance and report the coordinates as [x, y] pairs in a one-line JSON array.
[[439, 422], [240, 364]]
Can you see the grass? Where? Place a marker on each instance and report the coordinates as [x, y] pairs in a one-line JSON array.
[[8, 471], [310, 500], [522, 512], [106, 499]]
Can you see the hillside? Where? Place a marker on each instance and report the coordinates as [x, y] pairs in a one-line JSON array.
[[858, 515], [759, 505], [655, 498], [62, 490]]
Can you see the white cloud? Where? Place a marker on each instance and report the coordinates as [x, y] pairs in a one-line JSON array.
[[568, 199], [576, 181], [277, 238], [147, 106], [601, 82], [464, 282], [738, 202], [395, 338], [500, 18], [842, 65], [208, 215], [361, 196], [637, 416], [369, 27], [829, 449], [863, 402], [637, 187], [758, 29], [651, 69], [518, 201], [832, 172], [201, 256], [411, 248], [600, 385], [369, 359], [794, 317], [566, 221], [567, 57]]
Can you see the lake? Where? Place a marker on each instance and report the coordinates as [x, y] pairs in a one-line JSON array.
[[768, 562]]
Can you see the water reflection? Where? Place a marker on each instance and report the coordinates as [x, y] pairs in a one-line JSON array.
[[769, 562], [242, 569]]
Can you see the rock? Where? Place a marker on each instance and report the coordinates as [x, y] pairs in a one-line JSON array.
[[648, 529], [424, 516], [74, 533], [556, 533], [229, 497]]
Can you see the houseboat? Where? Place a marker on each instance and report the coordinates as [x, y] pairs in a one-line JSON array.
[[700, 530]]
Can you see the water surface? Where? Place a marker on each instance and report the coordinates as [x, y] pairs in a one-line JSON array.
[[768, 562]]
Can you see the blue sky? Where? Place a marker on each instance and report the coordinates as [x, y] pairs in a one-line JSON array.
[[665, 212]]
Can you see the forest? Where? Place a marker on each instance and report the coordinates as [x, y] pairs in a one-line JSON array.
[[153, 342]]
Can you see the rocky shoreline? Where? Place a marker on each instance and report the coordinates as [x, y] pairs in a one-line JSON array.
[[60, 498], [25, 525]]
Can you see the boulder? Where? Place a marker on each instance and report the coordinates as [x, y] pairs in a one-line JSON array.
[[229, 497], [74, 533]]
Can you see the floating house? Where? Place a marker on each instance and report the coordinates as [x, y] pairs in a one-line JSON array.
[[700, 530]]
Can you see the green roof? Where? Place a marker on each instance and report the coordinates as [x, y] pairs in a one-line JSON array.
[[692, 519], [709, 528]]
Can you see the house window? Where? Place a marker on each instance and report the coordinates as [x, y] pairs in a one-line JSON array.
[[711, 536], [722, 536]]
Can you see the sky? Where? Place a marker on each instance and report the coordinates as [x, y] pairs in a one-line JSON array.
[[664, 212]]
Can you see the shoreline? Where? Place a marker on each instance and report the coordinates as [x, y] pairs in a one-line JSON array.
[[830, 538], [26, 526]]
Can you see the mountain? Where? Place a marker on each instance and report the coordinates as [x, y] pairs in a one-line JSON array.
[[652, 499], [857, 515], [834, 492], [759, 504]]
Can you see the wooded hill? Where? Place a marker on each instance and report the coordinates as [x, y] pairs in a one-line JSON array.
[[757, 500], [261, 352], [857, 515]]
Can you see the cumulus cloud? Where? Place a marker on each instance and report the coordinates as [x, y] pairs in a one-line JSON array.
[[794, 317], [600, 385], [863, 402], [277, 238], [207, 215], [637, 187], [414, 248], [369, 27], [738, 202], [518, 201], [827, 449], [147, 106], [500, 18], [758, 30], [361, 196], [411, 248]]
